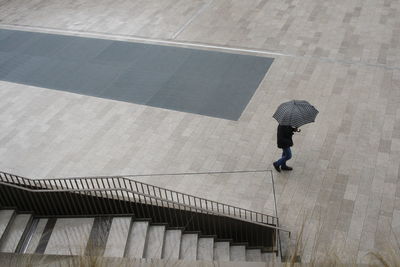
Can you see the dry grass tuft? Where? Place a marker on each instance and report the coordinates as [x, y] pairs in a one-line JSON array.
[[388, 258]]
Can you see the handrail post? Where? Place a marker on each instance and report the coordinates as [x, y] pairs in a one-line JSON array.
[[278, 237]]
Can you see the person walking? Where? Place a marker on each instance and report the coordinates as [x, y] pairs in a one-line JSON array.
[[290, 116], [284, 141]]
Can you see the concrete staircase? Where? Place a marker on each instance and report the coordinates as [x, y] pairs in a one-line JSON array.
[[117, 237]]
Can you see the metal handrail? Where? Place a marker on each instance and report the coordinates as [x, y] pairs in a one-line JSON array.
[[90, 196], [274, 219], [109, 182], [173, 203]]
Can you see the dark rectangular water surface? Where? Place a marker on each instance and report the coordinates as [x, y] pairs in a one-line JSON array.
[[202, 82]]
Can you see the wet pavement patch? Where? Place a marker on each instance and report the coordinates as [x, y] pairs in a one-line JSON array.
[[203, 82]]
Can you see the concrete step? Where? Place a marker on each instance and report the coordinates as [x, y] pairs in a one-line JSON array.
[[117, 237], [69, 236], [222, 251], [5, 218], [98, 236], [11, 238], [205, 249], [36, 236], [270, 257], [154, 242], [137, 239], [238, 253], [44, 239], [253, 255], [172, 243], [188, 250]]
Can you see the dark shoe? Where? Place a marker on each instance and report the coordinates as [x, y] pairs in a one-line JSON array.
[[276, 166], [286, 168]]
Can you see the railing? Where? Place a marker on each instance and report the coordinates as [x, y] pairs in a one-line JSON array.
[[122, 195]]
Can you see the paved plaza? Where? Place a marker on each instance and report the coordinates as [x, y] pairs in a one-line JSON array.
[[341, 56]]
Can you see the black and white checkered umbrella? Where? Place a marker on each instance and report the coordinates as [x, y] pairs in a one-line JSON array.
[[295, 113]]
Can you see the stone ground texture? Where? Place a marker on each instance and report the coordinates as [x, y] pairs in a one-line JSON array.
[[342, 56]]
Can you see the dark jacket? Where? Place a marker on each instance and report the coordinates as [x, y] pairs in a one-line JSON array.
[[285, 134]]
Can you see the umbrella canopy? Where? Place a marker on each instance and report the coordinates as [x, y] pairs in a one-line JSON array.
[[295, 113]]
